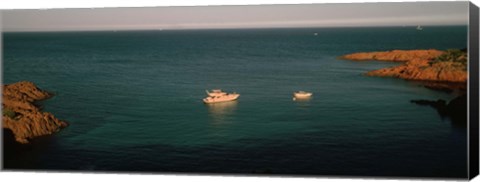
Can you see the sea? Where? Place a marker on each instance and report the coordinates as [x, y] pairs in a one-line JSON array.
[[133, 100]]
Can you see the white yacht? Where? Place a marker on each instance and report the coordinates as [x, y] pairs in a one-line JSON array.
[[218, 95]]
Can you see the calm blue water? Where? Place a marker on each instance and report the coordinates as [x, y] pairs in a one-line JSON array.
[[133, 100]]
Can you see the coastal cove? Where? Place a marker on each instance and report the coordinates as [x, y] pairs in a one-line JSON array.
[[434, 69], [133, 101]]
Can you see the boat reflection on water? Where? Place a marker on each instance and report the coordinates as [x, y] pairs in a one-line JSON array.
[[302, 103], [221, 112]]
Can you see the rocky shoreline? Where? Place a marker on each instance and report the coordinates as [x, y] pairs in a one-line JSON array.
[[456, 109], [22, 117], [441, 70], [434, 69]]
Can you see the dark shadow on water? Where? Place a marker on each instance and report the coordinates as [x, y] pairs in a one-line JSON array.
[[24, 156], [11, 148], [270, 160], [447, 87]]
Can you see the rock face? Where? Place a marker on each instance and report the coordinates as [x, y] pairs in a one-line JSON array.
[[395, 55], [419, 69], [22, 117], [420, 65]]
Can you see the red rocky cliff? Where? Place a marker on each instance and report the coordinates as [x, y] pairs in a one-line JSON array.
[[419, 65], [22, 117]]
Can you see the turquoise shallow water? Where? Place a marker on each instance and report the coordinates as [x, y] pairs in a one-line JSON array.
[[133, 100]]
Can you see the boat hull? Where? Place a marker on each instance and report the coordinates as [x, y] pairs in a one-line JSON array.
[[304, 95], [226, 98]]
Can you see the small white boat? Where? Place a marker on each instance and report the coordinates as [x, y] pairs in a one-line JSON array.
[[218, 95], [419, 27], [302, 94]]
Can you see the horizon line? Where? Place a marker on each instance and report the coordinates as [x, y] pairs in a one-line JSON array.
[[223, 28]]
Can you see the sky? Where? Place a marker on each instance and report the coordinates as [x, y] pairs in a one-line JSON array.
[[244, 16]]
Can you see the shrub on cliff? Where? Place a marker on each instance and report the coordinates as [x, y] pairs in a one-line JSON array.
[[453, 55], [9, 113]]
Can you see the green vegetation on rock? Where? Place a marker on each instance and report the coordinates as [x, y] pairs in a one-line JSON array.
[[453, 55], [9, 113]]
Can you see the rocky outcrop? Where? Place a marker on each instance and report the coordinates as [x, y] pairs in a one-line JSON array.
[[22, 116], [439, 70], [420, 65], [395, 55], [426, 70], [456, 109]]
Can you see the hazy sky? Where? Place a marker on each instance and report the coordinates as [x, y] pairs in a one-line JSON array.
[[259, 16]]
